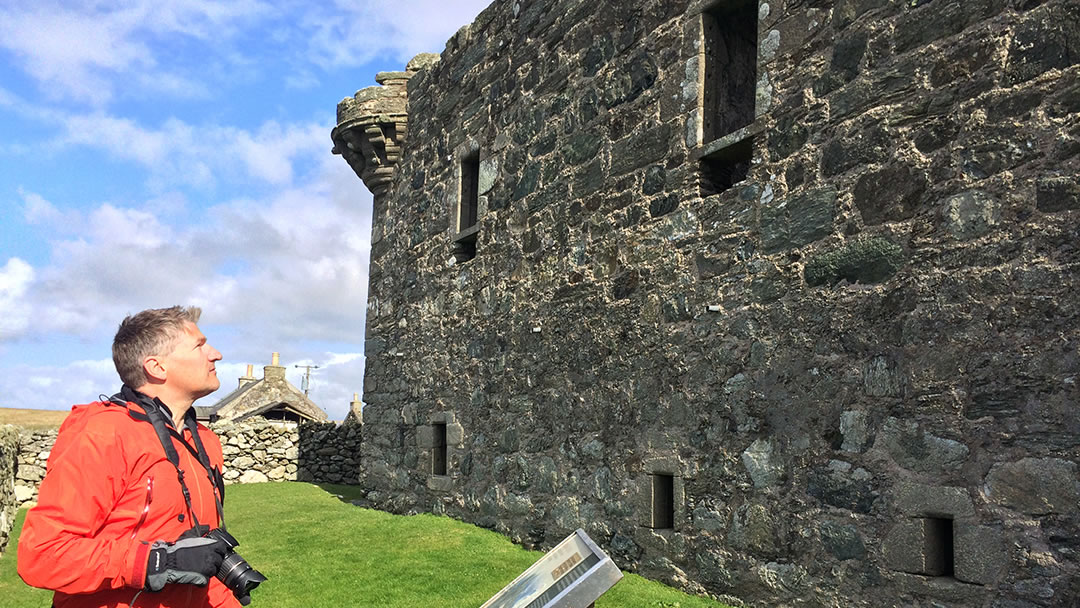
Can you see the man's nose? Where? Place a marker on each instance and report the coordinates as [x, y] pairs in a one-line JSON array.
[[215, 354]]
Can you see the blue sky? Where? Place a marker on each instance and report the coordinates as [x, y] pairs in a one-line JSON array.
[[158, 153]]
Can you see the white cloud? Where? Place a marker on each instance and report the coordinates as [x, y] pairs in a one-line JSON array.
[[15, 278], [57, 387], [352, 33], [86, 50], [179, 154]]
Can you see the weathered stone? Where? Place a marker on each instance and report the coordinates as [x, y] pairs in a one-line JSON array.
[[798, 221], [882, 378], [755, 528], [889, 194], [840, 486], [920, 500], [867, 260], [855, 429], [763, 464], [970, 214], [841, 540], [1057, 194], [915, 449], [253, 477], [23, 493], [1035, 485], [979, 553]]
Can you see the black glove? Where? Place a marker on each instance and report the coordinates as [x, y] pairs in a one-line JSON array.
[[193, 561]]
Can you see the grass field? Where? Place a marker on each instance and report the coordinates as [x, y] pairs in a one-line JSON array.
[[320, 551], [33, 419]]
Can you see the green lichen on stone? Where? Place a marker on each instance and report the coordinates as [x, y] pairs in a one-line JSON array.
[[870, 260]]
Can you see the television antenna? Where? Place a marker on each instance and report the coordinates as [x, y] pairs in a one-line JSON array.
[[305, 384]]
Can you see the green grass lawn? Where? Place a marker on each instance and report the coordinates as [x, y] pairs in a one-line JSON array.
[[320, 551]]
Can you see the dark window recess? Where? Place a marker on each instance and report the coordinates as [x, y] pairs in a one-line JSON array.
[[727, 167], [438, 450], [939, 546], [464, 246], [663, 501], [470, 191], [731, 38]]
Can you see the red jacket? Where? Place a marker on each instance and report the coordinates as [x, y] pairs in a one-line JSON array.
[[109, 492]]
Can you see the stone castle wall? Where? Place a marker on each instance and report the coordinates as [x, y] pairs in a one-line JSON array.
[[798, 329]]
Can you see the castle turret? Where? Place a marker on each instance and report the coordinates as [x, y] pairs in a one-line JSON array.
[[373, 123]]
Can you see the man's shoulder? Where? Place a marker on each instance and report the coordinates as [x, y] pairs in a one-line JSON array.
[[98, 417]]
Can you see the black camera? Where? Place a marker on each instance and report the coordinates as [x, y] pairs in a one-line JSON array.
[[235, 572]]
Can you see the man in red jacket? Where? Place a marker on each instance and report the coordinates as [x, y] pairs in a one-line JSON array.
[[133, 483]]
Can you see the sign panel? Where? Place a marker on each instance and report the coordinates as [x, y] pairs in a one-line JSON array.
[[572, 575]]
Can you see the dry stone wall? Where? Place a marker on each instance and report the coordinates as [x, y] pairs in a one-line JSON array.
[[821, 352], [256, 451], [9, 455]]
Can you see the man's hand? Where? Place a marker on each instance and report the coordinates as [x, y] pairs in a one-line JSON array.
[[193, 561]]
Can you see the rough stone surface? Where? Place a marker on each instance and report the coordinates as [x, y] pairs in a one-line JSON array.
[[861, 281], [254, 451], [1036, 486], [9, 495]]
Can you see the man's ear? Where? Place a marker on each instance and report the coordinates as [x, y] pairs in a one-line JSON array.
[[154, 368]]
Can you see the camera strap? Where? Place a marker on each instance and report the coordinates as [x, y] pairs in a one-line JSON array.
[[155, 414]]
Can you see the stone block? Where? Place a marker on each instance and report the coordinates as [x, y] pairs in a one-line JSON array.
[[425, 436], [855, 429], [252, 477], [919, 500], [1055, 194], [1036, 486], [840, 486], [866, 260], [979, 553], [798, 221], [763, 464], [489, 173], [455, 434], [917, 450], [970, 214], [843, 541]]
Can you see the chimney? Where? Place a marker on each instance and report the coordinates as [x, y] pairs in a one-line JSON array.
[[356, 407], [247, 377], [274, 371]]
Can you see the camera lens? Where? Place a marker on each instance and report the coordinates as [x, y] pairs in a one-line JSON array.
[[239, 576], [235, 572]]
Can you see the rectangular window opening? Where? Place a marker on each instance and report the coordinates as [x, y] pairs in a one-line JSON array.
[[939, 546], [727, 167], [438, 449], [464, 245], [470, 191], [730, 32], [663, 501]]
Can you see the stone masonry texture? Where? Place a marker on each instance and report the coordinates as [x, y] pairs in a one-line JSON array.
[[254, 451], [9, 453], [847, 329]]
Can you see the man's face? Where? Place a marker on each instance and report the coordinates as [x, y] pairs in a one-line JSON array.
[[189, 367]]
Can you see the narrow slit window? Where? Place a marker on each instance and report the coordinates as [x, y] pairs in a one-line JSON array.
[[470, 191], [730, 32], [464, 247], [663, 501], [438, 449], [938, 548]]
